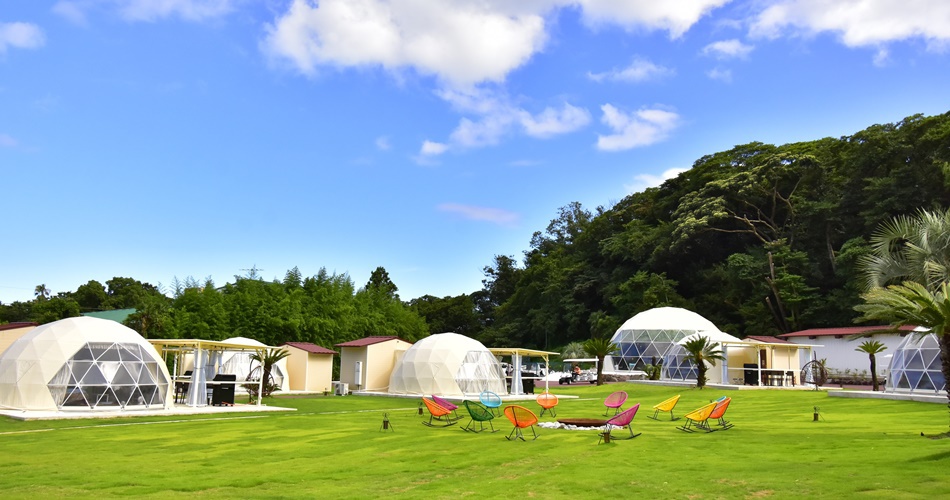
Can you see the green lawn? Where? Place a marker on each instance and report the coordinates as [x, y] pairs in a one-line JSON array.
[[332, 448]]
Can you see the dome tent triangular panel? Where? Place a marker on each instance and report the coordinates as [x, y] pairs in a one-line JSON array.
[[916, 365], [447, 364], [72, 363]]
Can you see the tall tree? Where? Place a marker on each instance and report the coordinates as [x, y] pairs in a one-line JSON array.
[[599, 348], [41, 292], [872, 348], [380, 282]]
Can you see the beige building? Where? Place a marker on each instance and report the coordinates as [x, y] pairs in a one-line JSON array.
[[366, 364], [10, 332], [309, 367]]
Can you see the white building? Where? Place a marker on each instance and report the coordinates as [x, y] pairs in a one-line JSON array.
[[836, 347]]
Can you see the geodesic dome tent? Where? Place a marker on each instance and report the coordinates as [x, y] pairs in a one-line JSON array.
[[82, 363], [447, 364], [916, 365], [239, 363], [646, 337]]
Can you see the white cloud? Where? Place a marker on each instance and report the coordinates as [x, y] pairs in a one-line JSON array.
[[21, 36], [383, 144], [859, 23], [493, 215], [640, 70], [720, 74], [189, 10], [551, 122], [430, 148], [462, 42], [641, 128], [676, 16], [727, 49], [643, 181], [7, 142]]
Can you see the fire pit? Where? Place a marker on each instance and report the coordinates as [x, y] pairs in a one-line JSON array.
[[583, 422]]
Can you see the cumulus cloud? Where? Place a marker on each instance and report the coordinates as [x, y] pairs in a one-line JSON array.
[[21, 36], [675, 17], [464, 42], [639, 70], [431, 148], [551, 122], [631, 130], [643, 181], [493, 215], [727, 49], [858, 22]]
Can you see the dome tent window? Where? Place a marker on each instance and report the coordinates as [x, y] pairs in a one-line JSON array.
[[108, 374]]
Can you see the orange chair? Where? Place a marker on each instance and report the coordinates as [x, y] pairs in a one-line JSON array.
[[522, 418], [698, 418], [667, 405], [718, 413], [547, 401], [437, 413]]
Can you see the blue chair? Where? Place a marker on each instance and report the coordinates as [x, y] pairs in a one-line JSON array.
[[490, 400]]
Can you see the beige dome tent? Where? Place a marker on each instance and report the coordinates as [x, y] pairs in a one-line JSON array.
[[82, 363], [447, 364]]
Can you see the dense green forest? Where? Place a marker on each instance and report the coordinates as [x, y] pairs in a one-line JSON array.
[[760, 239]]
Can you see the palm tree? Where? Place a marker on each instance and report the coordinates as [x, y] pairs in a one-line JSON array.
[[912, 304], [599, 348], [268, 358], [910, 248], [872, 347], [41, 292], [700, 351], [573, 350]]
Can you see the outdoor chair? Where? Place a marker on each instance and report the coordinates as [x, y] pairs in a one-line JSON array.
[[479, 414], [522, 418], [621, 420], [667, 405], [719, 412], [615, 401], [698, 418], [547, 401], [448, 405], [490, 400], [437, 413]]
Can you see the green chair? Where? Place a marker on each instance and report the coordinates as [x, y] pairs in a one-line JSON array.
[[479, 414]]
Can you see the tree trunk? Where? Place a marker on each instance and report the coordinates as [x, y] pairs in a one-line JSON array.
[[600, 370], [873, 372]]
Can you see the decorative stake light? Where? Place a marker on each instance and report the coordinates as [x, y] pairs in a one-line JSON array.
[[420, 409], [386, 425], [815, 419], [326, 391]]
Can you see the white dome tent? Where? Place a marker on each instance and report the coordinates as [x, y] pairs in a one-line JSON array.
[[238, 362], [83, 363], [645, 338], [447, 364], [916, 366]]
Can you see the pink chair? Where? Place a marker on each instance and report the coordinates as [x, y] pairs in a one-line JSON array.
[[448, 405], [621, 420], [615, 401]]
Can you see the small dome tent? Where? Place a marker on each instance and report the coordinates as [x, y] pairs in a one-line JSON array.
[[239, 363], [645, 338], [447, 364], [916, 365], [82, 363]]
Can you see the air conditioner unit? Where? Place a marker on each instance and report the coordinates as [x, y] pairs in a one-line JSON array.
[[341, 388]]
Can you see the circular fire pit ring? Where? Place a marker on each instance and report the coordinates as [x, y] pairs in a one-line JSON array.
[[583, 422]]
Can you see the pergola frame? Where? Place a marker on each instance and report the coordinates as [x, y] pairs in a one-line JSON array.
[[207, 355], [516, 354]]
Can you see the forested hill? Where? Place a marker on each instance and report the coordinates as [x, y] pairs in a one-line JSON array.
[[760, 239]]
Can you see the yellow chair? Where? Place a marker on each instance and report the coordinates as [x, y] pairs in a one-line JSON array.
[[698, 419], [667, 405]]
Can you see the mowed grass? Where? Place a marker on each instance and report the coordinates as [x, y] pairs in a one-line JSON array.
[[332, 447]]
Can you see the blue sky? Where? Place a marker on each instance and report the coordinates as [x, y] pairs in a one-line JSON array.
[[161, 138]]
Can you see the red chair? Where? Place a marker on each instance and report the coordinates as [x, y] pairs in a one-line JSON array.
[[522, 418], [718, 412], [547, 401], [437, 413], [621, 420], [615, 401]]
